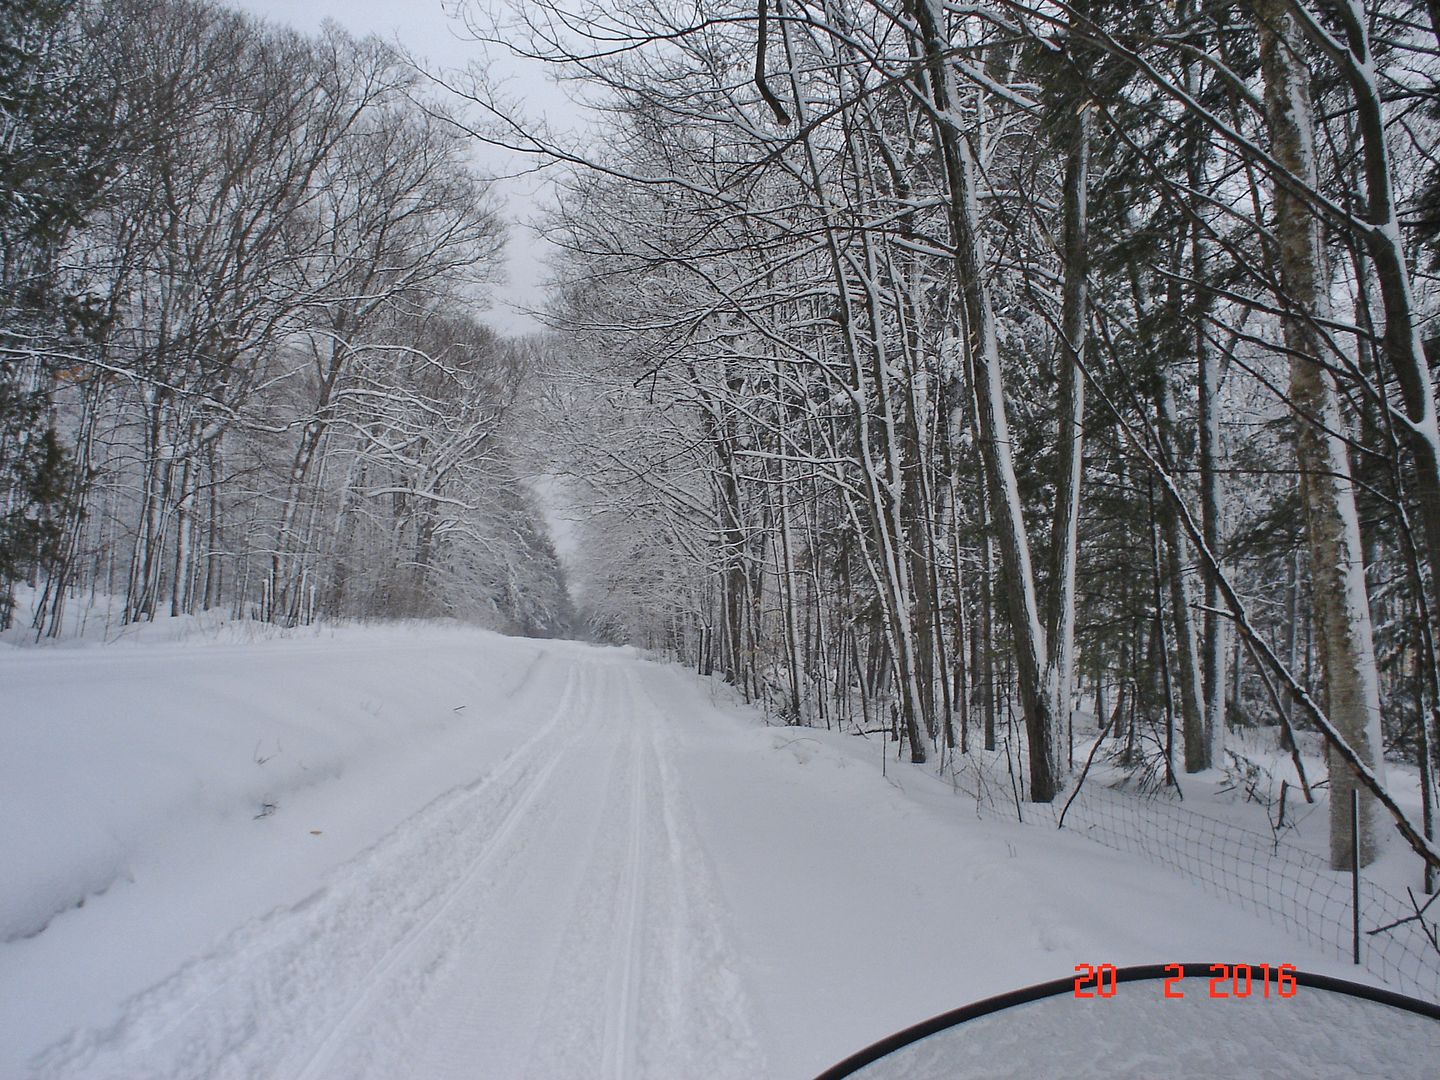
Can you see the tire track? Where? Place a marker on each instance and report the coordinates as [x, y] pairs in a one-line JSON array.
[[264, 1002], [469, 1003], [597, 988], [627, 945], [450, 1006], [400, 951], [645, 985], [703, 1021]]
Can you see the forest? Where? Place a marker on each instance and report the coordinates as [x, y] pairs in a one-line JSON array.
[[242, 369], [949, 366], [917, 367]]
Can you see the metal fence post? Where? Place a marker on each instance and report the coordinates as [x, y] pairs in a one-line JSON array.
[[1355, 866]]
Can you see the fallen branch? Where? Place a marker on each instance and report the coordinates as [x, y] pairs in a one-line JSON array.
[[1089, 759]]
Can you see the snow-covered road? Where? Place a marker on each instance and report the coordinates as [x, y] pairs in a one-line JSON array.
[[551, 916], [563, 922], [611, 876]]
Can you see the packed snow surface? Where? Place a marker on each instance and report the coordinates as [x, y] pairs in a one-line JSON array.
[[435, 852]]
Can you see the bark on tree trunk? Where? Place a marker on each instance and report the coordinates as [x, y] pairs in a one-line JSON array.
[[1339, 598], [1031, 652], [1074, 324], [1187, 647]]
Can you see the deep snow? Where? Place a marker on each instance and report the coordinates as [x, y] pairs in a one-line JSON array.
[[491, 857]]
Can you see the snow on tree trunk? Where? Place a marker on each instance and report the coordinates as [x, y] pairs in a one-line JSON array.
[[1031, 653], [1070, 468], [1187, 646], [1342, 610]]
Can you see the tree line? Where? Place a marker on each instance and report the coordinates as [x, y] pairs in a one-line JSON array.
[[240, 367], [928, 364]]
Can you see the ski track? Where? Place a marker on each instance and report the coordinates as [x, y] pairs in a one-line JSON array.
[[556, 917], [381, 975], [628, 938]]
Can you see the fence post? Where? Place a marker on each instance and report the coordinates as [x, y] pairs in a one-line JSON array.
[[1355, 866]]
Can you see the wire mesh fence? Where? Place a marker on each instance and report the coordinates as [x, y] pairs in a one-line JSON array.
[[1262, 873]]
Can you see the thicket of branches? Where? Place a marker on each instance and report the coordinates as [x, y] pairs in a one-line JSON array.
[[237, 364], [934, 360]]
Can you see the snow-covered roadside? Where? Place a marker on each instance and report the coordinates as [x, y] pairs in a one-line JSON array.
[[136, 781], [1248, 792], [864, 903], [599, 865]]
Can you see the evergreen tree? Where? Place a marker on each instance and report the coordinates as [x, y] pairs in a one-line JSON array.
[[54, 152]]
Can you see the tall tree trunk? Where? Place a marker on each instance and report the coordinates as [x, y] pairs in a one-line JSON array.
[[1187, 647], [1031, 652], [1074, 325], [1213, 643], [1338, 593], [1214, 626], [1401, 343]]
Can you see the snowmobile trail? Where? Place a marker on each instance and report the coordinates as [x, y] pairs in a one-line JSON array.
[[382, 976], [644, 983], [553, 918], [621, 991], [601, 868]]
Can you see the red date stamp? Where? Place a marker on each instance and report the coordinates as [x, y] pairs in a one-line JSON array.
[[1226, 981]]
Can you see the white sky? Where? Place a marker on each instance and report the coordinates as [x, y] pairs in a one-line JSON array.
[[426, 30]]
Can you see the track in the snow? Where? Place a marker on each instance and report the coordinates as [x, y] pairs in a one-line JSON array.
[[535, 762], [552, 918], [623, 985]]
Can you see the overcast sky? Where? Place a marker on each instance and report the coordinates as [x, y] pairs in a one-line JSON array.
[[427, 31]]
